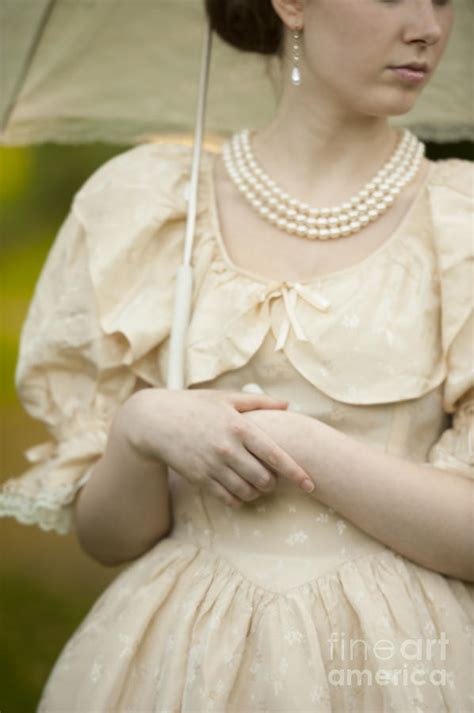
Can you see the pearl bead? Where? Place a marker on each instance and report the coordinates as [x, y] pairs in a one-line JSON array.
[[297, 217]]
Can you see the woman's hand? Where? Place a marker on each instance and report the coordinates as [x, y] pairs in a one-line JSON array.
[[202, 436]]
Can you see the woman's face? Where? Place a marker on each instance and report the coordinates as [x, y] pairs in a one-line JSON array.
[[348, 45]]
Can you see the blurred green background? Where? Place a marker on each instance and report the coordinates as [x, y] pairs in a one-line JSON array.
[[47, 583]]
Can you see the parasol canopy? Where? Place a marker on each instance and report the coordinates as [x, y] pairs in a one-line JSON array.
[[123, 71]]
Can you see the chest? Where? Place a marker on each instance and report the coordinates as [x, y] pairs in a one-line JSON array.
[[252, 244]]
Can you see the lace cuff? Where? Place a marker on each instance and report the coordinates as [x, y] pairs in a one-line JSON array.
[[43, 495]]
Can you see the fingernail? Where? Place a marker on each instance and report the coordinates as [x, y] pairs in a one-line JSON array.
[[308, 486]]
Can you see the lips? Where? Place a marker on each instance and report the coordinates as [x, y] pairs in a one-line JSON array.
[[415, 66], [409, 75]]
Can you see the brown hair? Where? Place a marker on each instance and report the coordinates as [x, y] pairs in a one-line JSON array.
[[247, 25]]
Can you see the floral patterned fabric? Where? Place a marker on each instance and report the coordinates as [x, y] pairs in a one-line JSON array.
[[271, 607]]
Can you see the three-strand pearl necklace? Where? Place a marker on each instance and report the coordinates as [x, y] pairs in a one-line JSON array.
[[298, 218]]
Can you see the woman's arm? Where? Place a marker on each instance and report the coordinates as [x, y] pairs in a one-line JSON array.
[[124, 508], [425, 514]]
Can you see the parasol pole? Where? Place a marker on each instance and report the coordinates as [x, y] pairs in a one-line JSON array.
[[184, 275]]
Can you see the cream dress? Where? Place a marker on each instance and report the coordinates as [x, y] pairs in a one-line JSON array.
[[254, 609]]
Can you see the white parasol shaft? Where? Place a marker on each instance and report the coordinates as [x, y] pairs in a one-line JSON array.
[[184, 275]]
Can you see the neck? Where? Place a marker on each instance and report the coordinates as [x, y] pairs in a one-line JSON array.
[[321, 158]]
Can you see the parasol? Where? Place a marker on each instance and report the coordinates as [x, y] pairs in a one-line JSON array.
[[118, 71]]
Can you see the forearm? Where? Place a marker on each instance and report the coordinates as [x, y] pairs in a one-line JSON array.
[[124, 508], [423, 513]]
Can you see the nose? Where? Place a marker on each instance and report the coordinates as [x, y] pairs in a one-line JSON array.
[[424, 22]]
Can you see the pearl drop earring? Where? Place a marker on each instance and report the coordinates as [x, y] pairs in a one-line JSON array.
[[295, 72]]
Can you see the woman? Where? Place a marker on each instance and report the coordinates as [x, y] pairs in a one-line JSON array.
[[356, 593]]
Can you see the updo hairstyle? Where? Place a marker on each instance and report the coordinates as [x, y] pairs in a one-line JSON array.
[[247, 25]]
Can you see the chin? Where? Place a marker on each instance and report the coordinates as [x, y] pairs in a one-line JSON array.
[[394, 106], [403, 107]]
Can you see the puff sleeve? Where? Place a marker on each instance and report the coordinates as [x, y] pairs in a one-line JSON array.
[[70, 376], [452, 206]]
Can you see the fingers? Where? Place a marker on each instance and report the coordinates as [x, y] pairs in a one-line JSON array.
[[252, 471], [236, 484], [220, 492], [266, 450], [250, 402]]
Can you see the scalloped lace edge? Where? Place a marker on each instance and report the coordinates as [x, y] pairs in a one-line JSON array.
[[50, 511]]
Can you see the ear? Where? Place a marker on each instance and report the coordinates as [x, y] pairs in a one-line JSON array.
[[290, 12]]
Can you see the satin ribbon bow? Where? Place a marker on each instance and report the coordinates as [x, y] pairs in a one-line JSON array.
[[290, 292]]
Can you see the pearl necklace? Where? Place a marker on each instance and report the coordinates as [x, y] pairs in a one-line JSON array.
[[297, 218]]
